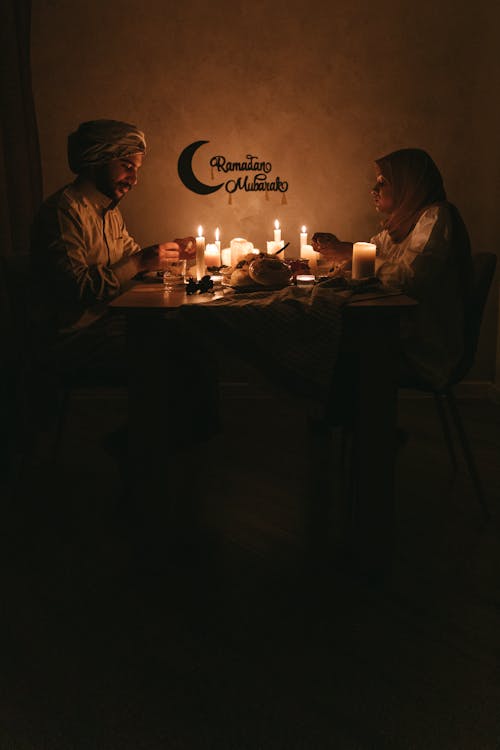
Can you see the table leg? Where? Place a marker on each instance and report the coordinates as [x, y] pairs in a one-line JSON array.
[[165, 378], [374, 443]]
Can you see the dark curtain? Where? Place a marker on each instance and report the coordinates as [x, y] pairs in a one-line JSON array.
[[20, 195], [20, 168]]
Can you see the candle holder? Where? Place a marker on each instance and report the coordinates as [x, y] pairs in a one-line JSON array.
[[305, 279], [298, 266]]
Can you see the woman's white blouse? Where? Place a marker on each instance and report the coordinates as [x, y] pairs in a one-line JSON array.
[[423, 265], [429, 243]]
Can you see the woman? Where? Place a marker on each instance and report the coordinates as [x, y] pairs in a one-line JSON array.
[[423, 248]]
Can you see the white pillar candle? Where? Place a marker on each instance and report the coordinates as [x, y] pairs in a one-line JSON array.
[[239, 248], [303, 237], [307, 253], [212, 255], [363, 260], [217, 239], [277, 231], [225, 255], [200, 254], [273, 247]]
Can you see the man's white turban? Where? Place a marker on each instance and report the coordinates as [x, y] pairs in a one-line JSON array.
[[98, 141]]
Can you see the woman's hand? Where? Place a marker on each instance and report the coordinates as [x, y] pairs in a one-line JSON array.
[[331, 247], [324, 242]]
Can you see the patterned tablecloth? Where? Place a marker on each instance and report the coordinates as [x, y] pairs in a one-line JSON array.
[[293, 334]]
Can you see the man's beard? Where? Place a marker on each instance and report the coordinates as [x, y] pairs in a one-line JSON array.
[[105, 185]]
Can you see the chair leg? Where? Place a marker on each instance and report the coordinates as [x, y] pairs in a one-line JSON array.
[[438, 400], [469, 458]]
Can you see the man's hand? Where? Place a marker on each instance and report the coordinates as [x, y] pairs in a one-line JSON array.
[[152, 257], [168, 251]]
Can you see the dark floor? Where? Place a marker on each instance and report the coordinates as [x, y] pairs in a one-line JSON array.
[[246, 646]]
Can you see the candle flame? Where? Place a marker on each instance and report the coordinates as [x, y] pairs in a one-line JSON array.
[[303, 230], [200, 231], [276, 224], [217, 234]]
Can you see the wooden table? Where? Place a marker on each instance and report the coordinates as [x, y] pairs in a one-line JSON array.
[[371, 340]]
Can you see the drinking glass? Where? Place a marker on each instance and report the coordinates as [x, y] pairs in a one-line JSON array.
[[174, 272]]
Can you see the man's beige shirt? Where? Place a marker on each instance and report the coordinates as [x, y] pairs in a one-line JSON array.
[[82, 253]]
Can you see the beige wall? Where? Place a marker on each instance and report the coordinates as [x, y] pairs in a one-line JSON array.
[[317, 88]]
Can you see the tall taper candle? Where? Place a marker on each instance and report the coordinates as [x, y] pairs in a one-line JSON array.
[[200, 254], [277, 231], [217, 239]]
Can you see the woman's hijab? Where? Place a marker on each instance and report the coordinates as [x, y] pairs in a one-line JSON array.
[[416, 184]]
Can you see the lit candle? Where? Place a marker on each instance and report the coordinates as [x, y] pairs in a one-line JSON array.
[[200, 254], [305, 279], [363, 260], [217, 239], [277, 231], [212, 255], [303, 237], [307, 253], [226, 256]]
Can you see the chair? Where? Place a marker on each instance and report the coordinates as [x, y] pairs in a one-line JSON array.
[[24, 366], [484, 265]]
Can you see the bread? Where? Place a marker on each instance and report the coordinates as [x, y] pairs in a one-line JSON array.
[[240, 277], [269, 272]]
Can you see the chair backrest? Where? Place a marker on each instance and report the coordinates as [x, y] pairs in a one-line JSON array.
[[483, 265]]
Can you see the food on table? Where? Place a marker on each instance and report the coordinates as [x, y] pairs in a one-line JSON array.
[[257, 271], [240, 277], [269, 271]]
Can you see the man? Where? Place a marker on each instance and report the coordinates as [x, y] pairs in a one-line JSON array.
[[82, 255], [81, 252]]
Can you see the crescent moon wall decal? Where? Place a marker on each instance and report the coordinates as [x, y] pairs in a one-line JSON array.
[[185, 170]]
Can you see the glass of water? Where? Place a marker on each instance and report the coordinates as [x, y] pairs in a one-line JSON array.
[[174, 272]]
